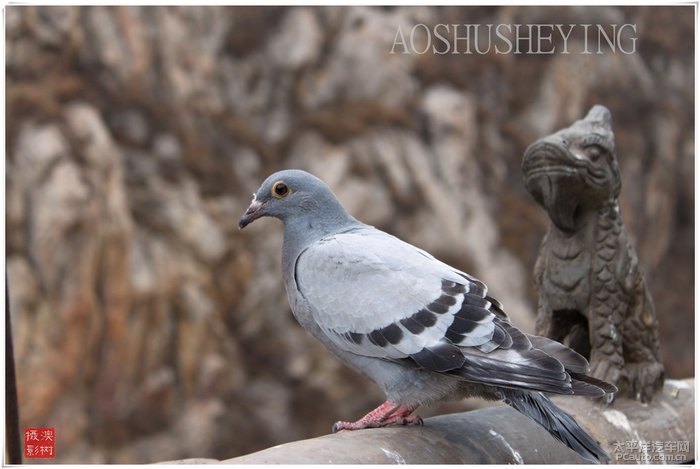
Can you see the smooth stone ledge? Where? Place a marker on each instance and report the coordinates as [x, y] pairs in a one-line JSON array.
[[628, 430]]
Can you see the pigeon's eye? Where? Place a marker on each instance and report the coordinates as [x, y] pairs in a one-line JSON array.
[[280, 190]]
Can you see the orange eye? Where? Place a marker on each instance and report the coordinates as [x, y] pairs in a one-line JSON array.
[[280, 190]]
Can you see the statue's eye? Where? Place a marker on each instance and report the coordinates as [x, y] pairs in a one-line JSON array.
[[594, 152], [280, 190]]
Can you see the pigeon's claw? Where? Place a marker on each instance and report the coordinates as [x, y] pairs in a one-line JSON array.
[[403, 420], [385, 415]]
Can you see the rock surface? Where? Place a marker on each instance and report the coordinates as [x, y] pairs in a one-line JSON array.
[[501, 435], [147, 327]]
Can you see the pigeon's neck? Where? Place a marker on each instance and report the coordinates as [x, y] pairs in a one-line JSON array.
[[309, 227]]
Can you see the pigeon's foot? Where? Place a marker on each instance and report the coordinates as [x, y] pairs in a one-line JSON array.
[[386, 414]]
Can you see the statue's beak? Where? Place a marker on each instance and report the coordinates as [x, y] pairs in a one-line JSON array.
[[252, 214]]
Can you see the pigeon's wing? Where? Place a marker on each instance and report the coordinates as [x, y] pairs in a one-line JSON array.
[[375, 295]]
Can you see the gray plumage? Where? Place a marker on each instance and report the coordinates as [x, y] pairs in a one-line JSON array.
[[420, 329]]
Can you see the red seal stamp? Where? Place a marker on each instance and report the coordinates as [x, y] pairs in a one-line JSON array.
[[39, 443]]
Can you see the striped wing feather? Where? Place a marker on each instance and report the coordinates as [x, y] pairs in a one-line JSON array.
[[374, 295]]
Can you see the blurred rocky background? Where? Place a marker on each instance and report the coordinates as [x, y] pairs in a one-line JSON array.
[[147, 327]]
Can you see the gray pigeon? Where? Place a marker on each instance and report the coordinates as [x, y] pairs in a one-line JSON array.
[[420, 329]]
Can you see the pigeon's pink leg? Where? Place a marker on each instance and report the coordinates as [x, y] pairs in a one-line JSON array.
[[386, 414]]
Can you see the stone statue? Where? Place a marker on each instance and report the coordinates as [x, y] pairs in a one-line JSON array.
[[592, 294]]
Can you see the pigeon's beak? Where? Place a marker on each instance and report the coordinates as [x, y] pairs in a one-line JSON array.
[[252, 214]]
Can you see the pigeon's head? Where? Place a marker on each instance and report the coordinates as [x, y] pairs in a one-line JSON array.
[[294, 194]]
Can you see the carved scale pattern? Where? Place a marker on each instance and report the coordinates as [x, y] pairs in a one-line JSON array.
[[625, 347], [608, 303]]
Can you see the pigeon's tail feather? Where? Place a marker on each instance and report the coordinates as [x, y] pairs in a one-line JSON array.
[[558, 423]]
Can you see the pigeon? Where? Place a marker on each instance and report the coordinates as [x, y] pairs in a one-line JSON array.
[[422, 330]]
